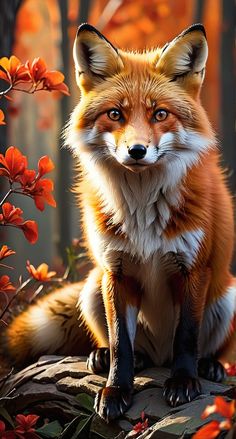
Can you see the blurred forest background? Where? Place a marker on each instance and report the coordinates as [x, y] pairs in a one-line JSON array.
[[46, 28]]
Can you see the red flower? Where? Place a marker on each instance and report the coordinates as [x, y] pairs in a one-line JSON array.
[[37, 69], [41, 273], [24, 428], [13, 70], [5, 252], [141, 426], [49, 79], [2, 117], [42, 194], [45, 165], [39, 189], [30, 230], [5, 285], [6, 434], [14, 163], [27, 180], [11, 215]]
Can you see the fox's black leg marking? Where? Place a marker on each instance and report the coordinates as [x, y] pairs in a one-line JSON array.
[[184, 385], [211, 369], [121, 298]]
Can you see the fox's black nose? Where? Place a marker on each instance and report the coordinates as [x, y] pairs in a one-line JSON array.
[[137, 152]]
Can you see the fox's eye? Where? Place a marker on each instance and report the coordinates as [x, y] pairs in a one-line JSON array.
[[160, 115], [114, 114]]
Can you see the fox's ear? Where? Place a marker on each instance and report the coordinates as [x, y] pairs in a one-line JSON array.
[[94, 56], [184, 58]]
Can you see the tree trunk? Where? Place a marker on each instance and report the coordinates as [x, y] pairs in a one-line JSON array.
[[227, 94]]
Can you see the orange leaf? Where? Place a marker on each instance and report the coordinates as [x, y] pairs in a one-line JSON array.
[[208, 431], [2, 117]]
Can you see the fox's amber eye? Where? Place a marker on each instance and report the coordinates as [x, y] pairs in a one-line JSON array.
[[160, 115], [114, 114]]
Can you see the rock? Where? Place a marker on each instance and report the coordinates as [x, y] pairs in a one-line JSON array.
[[60, 370], [62, 387], [89, 384], [149, 401]]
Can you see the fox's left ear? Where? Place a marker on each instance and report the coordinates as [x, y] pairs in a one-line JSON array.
[[184, 59], [94, 56]]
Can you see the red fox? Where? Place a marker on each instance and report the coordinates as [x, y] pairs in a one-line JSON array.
[[158, 220]]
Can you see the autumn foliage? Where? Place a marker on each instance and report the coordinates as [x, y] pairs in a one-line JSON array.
[[28, 77], [35, 75]]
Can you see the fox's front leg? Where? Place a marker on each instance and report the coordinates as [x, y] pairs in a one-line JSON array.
[[184, 385], [121, 296]]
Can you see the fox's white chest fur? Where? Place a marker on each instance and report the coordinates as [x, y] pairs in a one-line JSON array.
[[140, 204]]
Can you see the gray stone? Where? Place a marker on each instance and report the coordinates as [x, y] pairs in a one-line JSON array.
[[60, 370], [149, 401], [89, 384]]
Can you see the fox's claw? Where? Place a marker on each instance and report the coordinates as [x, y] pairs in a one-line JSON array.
[[111, 402], [179, 390]]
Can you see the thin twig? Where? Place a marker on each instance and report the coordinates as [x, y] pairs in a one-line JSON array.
[[6, 196], [15, 295], [108, 13], [4, 92]]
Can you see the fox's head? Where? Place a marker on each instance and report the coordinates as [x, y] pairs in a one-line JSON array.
[[140, 110]]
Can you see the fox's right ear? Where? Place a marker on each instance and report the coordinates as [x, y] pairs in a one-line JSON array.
[[94, 56]]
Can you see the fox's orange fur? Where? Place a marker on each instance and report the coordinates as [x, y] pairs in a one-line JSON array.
[[156, 214]]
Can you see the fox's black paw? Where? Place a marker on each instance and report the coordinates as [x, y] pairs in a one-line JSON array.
[[111, 402], [99, 360], [180, 390], [211, 370]]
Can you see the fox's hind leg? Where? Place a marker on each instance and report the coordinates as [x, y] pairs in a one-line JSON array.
[[217, 341], [92, 309]]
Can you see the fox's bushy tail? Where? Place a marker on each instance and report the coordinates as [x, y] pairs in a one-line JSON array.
[[51, 326]]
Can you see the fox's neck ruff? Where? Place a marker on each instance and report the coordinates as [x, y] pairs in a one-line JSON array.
[[141, 204]]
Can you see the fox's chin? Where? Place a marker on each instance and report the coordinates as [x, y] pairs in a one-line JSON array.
[[138, 167]]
